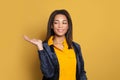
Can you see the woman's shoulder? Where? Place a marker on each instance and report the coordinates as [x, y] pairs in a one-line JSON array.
[[45, 44], [75, 43]]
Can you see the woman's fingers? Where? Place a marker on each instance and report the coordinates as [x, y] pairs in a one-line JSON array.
[[36, 42], [33, 41], [26, 38]]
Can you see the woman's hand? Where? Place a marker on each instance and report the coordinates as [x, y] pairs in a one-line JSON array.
[[36, 42]]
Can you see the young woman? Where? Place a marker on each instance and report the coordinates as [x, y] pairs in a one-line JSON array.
[[60, 56]]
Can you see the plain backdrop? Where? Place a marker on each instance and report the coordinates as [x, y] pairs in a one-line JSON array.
[[96, 27]]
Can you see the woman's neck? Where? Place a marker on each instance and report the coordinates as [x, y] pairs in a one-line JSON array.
[[58, 40]]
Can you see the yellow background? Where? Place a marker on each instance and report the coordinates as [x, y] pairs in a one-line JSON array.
[[96, 29]]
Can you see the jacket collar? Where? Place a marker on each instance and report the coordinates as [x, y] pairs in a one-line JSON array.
[[50, 42]]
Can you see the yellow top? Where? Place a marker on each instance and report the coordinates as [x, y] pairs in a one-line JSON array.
[[67, 61]]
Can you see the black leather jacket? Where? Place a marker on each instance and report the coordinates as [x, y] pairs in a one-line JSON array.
[[50, 66]]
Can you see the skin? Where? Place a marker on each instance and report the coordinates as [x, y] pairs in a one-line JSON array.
[[60, 27]]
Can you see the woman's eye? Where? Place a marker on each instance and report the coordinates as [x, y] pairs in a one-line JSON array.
[[55, 22], [65, 23]]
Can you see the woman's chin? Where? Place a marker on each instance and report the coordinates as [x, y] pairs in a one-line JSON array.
[[60, 35]]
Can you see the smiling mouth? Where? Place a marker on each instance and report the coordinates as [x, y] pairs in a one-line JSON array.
[[60, 30]]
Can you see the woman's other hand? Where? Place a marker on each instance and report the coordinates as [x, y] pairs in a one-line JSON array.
[[36, 42]]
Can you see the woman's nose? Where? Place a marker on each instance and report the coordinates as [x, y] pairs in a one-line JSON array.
[[60, 25]]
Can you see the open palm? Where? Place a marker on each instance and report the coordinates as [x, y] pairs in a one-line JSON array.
[[34, 41]]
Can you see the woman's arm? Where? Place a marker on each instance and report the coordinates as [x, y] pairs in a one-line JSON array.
[[45, 62], [83, 72], [46, 65]]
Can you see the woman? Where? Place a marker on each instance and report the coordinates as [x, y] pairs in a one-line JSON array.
[[60, 56]]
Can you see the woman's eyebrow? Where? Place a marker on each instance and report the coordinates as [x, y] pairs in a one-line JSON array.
[[58, 20]]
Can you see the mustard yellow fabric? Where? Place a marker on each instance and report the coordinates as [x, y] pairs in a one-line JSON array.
[[67, 61]]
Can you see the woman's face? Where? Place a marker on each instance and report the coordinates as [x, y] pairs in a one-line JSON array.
[[60, 25]]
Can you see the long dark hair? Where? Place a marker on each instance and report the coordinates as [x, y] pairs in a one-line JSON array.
[[50, 31]]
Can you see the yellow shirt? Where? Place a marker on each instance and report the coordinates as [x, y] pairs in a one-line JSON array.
[[67, 61]]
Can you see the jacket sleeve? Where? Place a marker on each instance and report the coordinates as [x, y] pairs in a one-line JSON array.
[[83, 72], [46, 65]]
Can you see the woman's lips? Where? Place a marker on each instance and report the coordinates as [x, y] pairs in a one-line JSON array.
[[60, 30]]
